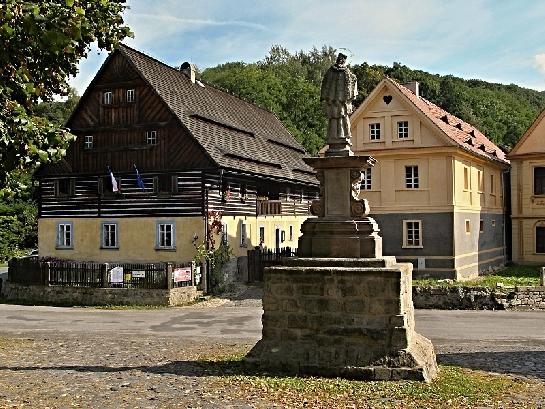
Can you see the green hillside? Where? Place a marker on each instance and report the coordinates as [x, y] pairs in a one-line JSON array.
[[288, 84]]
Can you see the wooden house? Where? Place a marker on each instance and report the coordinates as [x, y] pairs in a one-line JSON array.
[[156, 152], [528, 195], [437, 190]]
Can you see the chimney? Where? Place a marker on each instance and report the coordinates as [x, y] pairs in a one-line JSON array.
[[414, 86], [189, 71]]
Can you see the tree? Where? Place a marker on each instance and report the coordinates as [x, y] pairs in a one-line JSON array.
[[58, 112], [42, 43]]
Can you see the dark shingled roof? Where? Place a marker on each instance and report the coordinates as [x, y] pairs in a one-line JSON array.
[[236, 134]]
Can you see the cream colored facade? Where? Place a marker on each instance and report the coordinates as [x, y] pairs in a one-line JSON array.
[[527, 200], [137, 237], [456, 189]]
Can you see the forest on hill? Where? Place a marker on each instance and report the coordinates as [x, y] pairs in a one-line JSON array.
[[288, 84]]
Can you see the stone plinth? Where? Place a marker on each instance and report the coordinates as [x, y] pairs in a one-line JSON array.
[[352, 318], [343, 228]]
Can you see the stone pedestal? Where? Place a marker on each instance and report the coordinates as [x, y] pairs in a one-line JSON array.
[[341, 309], [344, 317]]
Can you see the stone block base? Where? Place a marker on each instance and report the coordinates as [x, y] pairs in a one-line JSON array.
[[349, 318]]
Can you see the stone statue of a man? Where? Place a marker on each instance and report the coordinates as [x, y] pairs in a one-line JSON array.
[[339, 88]]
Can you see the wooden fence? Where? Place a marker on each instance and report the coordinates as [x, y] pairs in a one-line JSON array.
[[32, 271], [258, 259]]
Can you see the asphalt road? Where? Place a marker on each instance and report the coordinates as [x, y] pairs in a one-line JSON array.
[[245, 323]]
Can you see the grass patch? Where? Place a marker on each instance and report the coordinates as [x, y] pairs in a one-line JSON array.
[[511, 276], [455, 387]]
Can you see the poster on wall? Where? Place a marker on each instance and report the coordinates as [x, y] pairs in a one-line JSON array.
[[182, 274], [116, 275]]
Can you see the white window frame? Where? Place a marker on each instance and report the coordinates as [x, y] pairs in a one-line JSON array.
[[243, 234], [130, 95], [106, 235], [480, 181], [366, 180], [107, 98], [412, 234], [403, 130], [151, 137], [467, 178], [374, 131], [88, 142], [224, 234], [65, 235], [165, 235], [412, 181]]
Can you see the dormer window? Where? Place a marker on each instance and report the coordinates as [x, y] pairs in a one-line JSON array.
[[88, 142], [130, 95], [107, 98], [151, 137]]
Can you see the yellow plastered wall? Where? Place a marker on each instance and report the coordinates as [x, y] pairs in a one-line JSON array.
[[469, 193], [137, 237]]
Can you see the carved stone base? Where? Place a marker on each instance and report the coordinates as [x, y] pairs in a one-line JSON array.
[[335, 238], [351, 318]]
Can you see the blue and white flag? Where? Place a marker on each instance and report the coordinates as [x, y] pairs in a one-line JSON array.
[[114, 182], [139, 181]]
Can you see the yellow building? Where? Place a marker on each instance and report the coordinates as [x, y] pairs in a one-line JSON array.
[[528, 195], [437, 189]]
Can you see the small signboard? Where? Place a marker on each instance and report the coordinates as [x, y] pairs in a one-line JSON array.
[[182, 274], [116, 275], [139, 274]]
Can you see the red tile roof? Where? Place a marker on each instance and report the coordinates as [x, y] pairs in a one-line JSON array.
[[465, 135]]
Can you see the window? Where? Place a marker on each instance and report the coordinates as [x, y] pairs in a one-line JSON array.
[[261, 235], [130, 95], [480, 181], [224, 234], [481, 226], [366, 179], [411, 177], [493, 223], [374, 131], [165, 183], [64, 187], [107, 98], [492, 185], [403, 129], [539, 181], [412, 233], [243, 234], [65, 235], [468, 227], [540, 239], [109, 235], [88, 142], [291, 233], [151, 137], [466, 178], [166, 237]]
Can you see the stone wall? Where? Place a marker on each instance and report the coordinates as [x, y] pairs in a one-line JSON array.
[[479, 298], [59, 295]]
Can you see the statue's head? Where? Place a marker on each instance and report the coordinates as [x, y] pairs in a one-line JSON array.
[[341, 59]]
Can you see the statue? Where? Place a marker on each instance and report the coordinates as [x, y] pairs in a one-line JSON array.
[[339, 88]]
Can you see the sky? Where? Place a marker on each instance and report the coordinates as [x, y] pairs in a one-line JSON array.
[[493, 40]]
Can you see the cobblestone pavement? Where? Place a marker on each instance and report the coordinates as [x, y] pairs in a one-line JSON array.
[[109, 369]]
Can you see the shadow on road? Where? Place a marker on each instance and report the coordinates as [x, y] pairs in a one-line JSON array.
[[528, 363], [525, 363]]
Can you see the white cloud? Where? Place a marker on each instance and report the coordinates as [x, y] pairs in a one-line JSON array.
[[539, 60]]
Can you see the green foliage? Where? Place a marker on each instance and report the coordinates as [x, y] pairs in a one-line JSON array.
[[42, 43], [289, 86], [18, 227], [58, 112]]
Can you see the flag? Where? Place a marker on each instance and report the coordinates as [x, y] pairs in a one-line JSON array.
[[139, 181], [114, 182]]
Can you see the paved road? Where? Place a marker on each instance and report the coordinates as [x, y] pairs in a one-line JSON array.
[[497, 341], [245, 322]]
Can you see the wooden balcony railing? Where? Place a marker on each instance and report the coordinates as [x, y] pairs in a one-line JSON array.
[[268, 207]]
